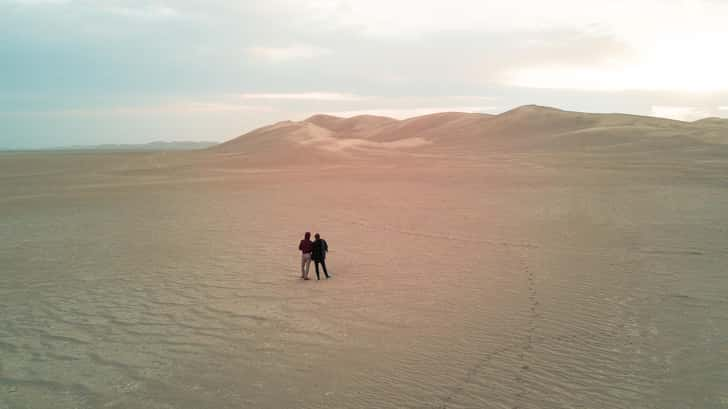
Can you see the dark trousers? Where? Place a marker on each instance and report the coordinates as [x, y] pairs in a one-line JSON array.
[[323, 264]]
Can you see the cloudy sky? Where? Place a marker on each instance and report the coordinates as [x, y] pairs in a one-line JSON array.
[[116, 71]]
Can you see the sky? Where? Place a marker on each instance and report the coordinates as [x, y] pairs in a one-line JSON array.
[[77, 72]]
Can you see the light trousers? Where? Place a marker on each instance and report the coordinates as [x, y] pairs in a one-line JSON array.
[[305, 264]]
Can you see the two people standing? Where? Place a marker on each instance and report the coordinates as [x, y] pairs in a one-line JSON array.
[[313, 250]]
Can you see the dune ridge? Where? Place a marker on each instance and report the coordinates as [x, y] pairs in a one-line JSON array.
[[529, 127]]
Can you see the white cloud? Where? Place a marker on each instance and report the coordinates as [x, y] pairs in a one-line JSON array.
[[685, 62], [37, 2], [404, 113], [306, 96], [405, 17], [679, 113], [212, 107], [174, 108], [674, 45], [146, 13], [283, 54]]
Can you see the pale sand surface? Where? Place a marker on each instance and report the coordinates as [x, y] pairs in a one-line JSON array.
[[510, 279]]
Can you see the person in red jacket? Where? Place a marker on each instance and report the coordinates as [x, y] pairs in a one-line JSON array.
[[306, 247]]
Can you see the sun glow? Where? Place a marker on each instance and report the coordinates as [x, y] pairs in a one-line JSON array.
[[684, 63]]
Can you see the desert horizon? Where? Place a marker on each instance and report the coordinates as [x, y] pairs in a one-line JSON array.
[[717, 123]]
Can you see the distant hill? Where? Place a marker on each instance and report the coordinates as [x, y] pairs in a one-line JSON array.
[[151, 146], [527, 128]]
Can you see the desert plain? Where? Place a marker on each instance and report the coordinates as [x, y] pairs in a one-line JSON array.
[[538, 258]]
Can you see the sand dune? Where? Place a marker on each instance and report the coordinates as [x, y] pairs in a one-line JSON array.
[[525, 129]]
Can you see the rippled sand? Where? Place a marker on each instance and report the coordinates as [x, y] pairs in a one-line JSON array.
[[530, 281]]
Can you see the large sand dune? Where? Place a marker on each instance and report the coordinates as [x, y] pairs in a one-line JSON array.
[[534, 259], [527, 128]]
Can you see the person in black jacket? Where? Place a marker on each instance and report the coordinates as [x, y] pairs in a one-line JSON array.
[[320, 247]]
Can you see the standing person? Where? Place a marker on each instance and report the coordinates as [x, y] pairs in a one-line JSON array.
[[320, 247], [306, 247]]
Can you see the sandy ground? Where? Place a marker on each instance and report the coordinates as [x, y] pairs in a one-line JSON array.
[[536, 280]]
